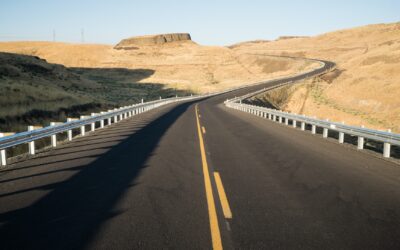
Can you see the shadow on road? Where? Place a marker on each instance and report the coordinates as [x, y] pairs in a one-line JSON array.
[[74, 210]]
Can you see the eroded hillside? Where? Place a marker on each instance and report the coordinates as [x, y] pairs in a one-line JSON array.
[[365, 88], [34, 91], [184, 64]]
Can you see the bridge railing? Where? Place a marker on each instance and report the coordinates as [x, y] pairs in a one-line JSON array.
[[8, 140]]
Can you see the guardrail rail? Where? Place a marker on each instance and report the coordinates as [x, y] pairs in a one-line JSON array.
[[8, 140], [386, 137]]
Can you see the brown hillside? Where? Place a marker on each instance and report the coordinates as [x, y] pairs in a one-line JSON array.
[[366, 87], [152, 40], [183, 65]]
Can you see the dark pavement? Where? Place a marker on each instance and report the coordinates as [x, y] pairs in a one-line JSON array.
[[140, 184]]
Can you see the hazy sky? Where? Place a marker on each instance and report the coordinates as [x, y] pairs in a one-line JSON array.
[[210, 22]]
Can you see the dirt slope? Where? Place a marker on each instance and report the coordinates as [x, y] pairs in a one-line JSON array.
[[182, 65], [34, 91], [365, 88]]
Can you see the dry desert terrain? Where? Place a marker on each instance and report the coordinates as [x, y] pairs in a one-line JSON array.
[[363, 90], [183, 64]]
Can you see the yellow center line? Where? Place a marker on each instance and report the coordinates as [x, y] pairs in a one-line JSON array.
[[222, 196], [204, 129], [212, 213]]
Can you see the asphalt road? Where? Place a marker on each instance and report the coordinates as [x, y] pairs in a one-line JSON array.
[[197, 175]]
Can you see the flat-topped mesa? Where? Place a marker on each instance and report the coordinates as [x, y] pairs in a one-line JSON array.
[[290, 37], [149, 40]]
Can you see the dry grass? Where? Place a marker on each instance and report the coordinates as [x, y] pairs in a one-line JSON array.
[[36, 92], [90, 77], [184, 65], [366, 87]]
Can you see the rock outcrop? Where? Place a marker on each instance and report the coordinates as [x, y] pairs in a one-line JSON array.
[[150, 40], [290, 37]]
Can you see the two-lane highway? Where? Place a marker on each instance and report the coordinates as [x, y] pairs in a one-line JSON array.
[[289, 189], [198, 175]]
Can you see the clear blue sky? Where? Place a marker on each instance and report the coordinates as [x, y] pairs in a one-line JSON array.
[[210, 22]]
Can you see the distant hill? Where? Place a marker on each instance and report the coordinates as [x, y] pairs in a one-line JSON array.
[[44, 81], [365, 88], [290, 37], [152, 40], [34, 91], [184, 65]]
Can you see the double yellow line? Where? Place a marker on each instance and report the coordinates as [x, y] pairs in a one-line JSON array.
[[212, 213]]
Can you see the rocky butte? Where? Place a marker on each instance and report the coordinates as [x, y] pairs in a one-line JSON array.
[[149, 40]]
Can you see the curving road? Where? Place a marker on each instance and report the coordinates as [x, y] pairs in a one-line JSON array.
[[197, 175]]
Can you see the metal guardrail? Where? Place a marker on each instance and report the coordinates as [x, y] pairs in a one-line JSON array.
[[387, 138], [29, 137], [8, 140], [113, 116]]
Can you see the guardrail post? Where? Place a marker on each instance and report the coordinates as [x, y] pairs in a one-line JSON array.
[[360, 141], [3, 158], [386, 148], [53, 137], [303, 126], [341, 136], [109, 119], [325, 131], [102, 120], [280, 119], [69, 132], [313, 129], [294, 124], [286, 121], [31, 145], [93, 124], [82, 128]]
